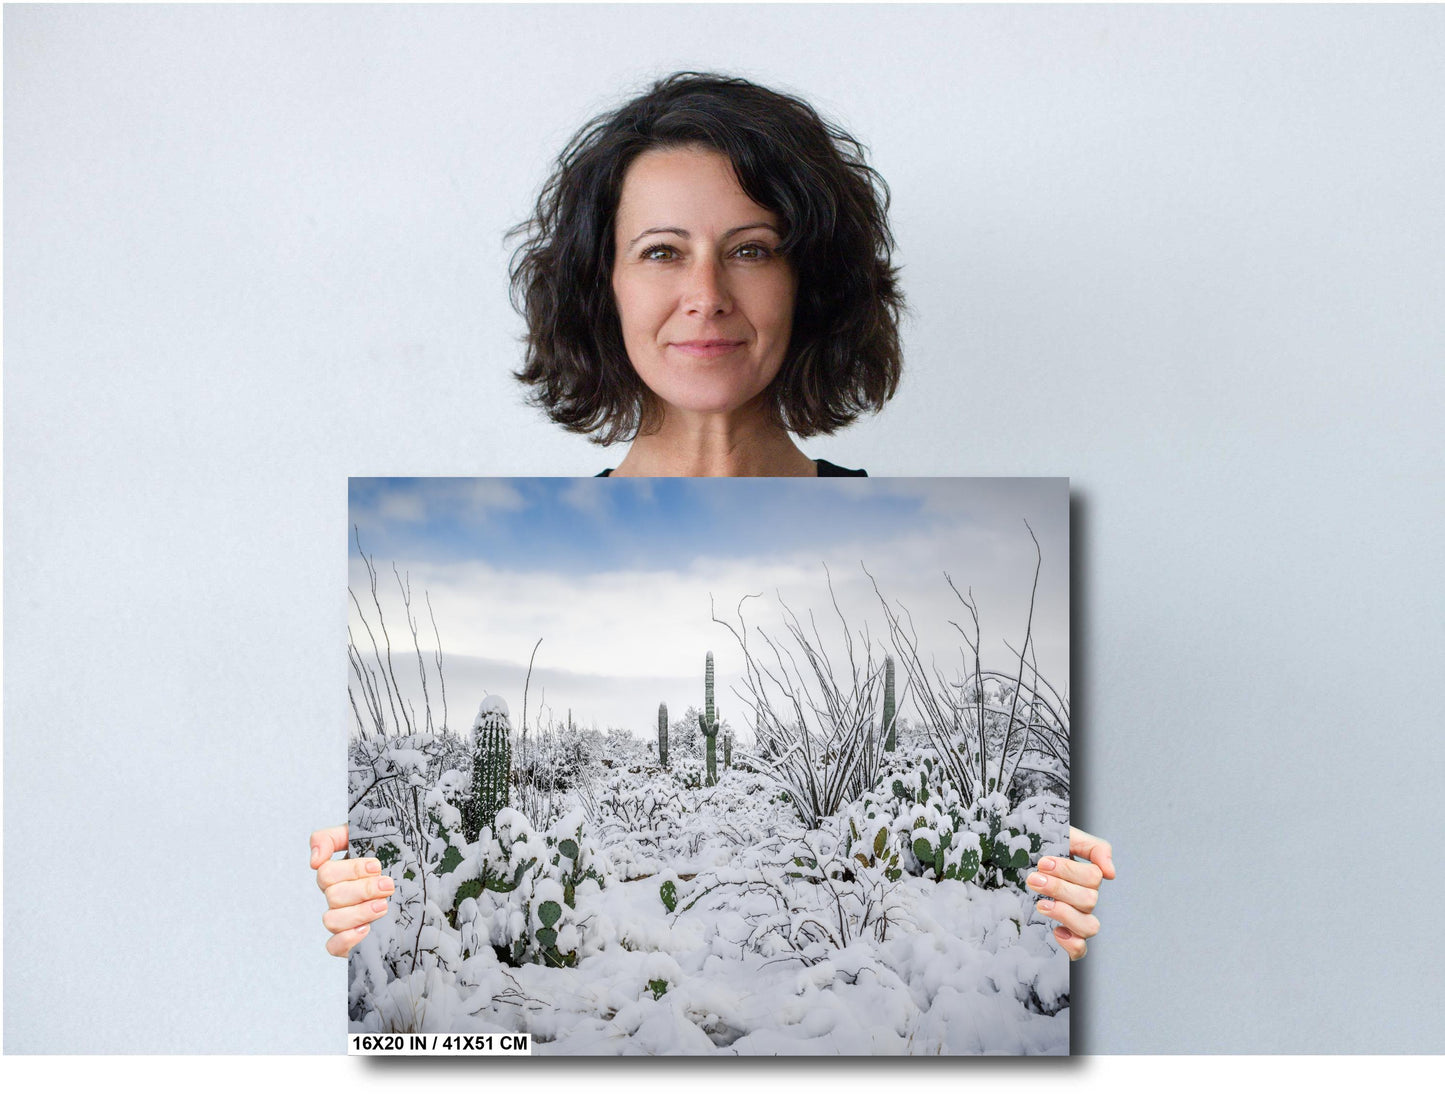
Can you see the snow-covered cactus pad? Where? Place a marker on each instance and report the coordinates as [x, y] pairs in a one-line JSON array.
[[668, 892], [707, 723], [532, 891], [491, 767], [662, 735], [920, 819]]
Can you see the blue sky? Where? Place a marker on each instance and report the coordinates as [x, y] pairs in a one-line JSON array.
[[614, 575], [588, 525]]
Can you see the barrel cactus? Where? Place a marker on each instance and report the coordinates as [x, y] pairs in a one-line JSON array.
[[662, 735], [707, 722], [491, 767], [891, 742]]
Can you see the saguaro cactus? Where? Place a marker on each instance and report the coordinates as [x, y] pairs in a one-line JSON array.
[[708, 724], [491, 767], [889, 728], [727, 750], [662, 734]]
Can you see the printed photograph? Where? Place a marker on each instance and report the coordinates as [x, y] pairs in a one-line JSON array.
[[692, 766]]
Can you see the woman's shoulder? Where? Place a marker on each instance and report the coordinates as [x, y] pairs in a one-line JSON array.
[[825, 470]]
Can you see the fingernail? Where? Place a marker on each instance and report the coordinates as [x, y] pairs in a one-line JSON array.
[[1045, 904], [361, 930], [1046, 864], [314, 853], [1062, 933], [379, 906], [385, 883], [373, 866], [1038, 882]]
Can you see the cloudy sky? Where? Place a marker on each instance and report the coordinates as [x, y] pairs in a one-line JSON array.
[[619, 578]]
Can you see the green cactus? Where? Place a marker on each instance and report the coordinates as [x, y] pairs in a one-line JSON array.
[[662, 735], [891, 742], [491, 773], [708, 725], [668, 892], [727, 750], [548, 915], [576, 869]]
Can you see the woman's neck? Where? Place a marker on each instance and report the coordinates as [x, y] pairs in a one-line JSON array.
[[715, 446]]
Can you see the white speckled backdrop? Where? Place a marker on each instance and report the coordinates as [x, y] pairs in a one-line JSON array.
[[1193, 258]]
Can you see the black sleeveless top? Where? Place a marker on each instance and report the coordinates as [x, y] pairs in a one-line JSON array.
[[825, 470]]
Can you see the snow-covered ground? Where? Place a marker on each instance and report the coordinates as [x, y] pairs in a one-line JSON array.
[[780, 940]]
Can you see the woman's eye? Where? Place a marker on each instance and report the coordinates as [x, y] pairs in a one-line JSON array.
[[753, 251], [659, 253]]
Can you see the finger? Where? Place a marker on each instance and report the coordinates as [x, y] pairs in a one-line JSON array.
[[1093, 849], [344, 918], [334, 871], [1073, 944], [351, 892], [344, 942], [1085, 925], [326, 842], [1074, 870], [1082, 899]]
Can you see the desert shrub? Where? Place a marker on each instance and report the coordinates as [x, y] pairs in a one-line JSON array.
[[555, 768], [691, 773], [817, 724], [992, 731], [805, 897], [648, 810]]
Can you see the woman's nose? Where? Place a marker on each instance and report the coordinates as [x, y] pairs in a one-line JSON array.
[[707, 289]]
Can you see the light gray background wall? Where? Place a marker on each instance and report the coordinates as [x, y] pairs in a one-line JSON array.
[[1193, 258]]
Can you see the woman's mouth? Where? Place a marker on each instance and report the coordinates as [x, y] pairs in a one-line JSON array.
[[707, 348]]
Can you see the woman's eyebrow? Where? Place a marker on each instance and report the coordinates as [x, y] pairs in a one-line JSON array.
[[682, 233], [660, 229]]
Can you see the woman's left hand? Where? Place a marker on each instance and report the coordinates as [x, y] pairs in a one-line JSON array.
[[1071, 889]]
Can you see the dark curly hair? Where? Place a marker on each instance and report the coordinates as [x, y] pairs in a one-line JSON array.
[[844, 355]]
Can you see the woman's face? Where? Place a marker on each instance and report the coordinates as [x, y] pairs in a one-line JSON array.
[[706, 301]]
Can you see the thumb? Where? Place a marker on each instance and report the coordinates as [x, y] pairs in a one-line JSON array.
[[325, 843], [1097, 851]]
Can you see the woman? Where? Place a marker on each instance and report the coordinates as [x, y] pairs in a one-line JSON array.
[[705, 276]]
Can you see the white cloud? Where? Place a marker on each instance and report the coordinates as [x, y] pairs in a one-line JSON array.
[[482, 496], [398, 505], [612, 640], [589, 496]]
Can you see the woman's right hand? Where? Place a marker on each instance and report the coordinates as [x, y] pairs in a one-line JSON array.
[[356, 891]]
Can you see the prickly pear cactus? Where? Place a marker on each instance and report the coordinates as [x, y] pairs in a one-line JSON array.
[[891, 742], [491, 768], [708, 724], [662, 735]]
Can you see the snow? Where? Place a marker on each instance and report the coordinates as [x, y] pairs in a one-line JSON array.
[[493, 708], [782, 941]]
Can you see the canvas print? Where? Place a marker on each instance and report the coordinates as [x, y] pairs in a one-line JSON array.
[[692, 766]]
